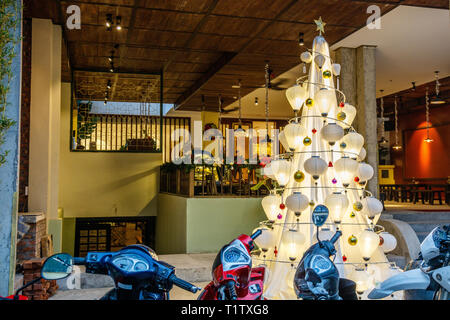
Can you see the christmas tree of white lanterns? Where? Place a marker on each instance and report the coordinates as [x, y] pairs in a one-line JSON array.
[[323, 166]]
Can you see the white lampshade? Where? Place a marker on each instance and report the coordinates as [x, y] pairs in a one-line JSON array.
[[368, 243], [389, 242], [345, 170], [296, 95], [281, 169], [306, 57], [362, 279], [365, 172], [319, 60], [332, 133], [337, 203], [292, 243], [267, 171], [336, 67], [324, 234], [297, 202], [325, 100], [294, 134], [271, 206], [350, 114], [362, 154], [372, 208], [283, 140], [354, 142], [315, 166], [267, 239]]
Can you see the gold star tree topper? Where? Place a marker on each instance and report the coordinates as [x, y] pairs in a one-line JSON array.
[[320, 25]]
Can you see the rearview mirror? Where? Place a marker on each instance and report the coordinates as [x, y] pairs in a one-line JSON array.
[[320, 215], [58, 266]]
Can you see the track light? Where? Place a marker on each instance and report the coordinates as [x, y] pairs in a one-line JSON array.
[[119, 23], [301, 41], [109, 84], [256, 101], [109, 21]]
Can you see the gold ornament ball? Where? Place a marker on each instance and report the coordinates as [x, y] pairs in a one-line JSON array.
[[352, 240], [357, 206], [352, 215], [326, 74], [299, 176], [341, 116], [309, 103], [312, 203], [307, 141]]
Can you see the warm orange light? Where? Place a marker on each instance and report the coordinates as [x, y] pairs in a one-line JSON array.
[[428, 139], [397, 147]]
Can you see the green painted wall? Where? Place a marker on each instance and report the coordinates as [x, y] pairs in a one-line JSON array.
[[200, 225], [68, 236]]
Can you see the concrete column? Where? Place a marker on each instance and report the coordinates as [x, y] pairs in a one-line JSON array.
[[45, 123], [358, 83], [9, 179], [366, 117]]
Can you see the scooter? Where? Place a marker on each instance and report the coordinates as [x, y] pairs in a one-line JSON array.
[[233, 276], [137, 273], [433, 273], [316, 277]]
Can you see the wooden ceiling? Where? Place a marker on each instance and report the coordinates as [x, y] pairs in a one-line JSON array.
[[203, 47], [413, 100]]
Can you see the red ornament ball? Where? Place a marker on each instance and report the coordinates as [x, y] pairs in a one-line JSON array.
[[341, 104], [314, 131], [381, 241], [330, 164], [356, 179], [282, 206], [344, 258], [262, 164]]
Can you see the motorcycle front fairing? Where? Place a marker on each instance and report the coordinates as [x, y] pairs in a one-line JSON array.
[[316, 275]]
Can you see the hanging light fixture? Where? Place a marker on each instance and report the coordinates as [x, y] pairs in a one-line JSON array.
[[297, 202], [119, 23], [292, 243], [368, 243], [109, 21], [271, 206], [352, 143], [296, 95], [383, 139], [337, 203], [325, 100], [281, 169], [301, 41], [436, 99], [346, 169], [315, 166], [396, 146], [294, 133], [427, 116], [256, 101]]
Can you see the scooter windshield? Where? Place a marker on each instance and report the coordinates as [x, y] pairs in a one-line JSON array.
[[235, 255]]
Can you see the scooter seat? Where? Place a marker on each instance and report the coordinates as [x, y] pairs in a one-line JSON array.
[[347, 289]]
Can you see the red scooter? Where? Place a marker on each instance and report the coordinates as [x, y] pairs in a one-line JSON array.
[[233, 276]]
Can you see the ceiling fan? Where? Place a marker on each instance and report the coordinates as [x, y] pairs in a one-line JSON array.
[[278, 85]]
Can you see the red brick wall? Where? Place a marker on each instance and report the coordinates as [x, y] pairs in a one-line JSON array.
[[29, 247]]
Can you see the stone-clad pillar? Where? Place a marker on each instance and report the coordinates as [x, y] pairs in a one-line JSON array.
[[358, 82]]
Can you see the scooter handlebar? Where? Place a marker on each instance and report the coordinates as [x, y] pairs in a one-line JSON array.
[[256, 234], [183, 284], [336, 236]]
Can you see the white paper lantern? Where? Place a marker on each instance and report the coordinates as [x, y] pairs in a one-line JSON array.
[[294, 133], [315, 166], [297, 202], [362, 154], [319, 60], [306, 57], [362, 279], [354, 142], [350, 114], [345, 170], [365, 172], [283, 140], [296, 95], [271, 206], [267, 171], [368, 243], [337, 203], [324, 234], [267, 238], [325, 100], [332, 133], [372, 208], [281, 169], [292, 243], [389, 242], [336, 67]]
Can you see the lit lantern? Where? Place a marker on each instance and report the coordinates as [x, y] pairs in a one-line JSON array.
[[292, 243], [271, 204], [361, 278], [283, 140], [365, 172], [296, 95], [368, 243], [319, 60], [294, 133], [281, 169], [389, 241], [315, 166], [354, 142], [332, 133], [350, 114], [336, 67], [372, 208], [297, 202], [324, 234], [337, 203], [346, 169], [325, 100], [267, 238], [362, 154], [306, 57], [267, 171]]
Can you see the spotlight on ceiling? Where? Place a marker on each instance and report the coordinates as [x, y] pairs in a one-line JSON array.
[[109, 21], [109, 84], [119, 23], [301, 41]]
